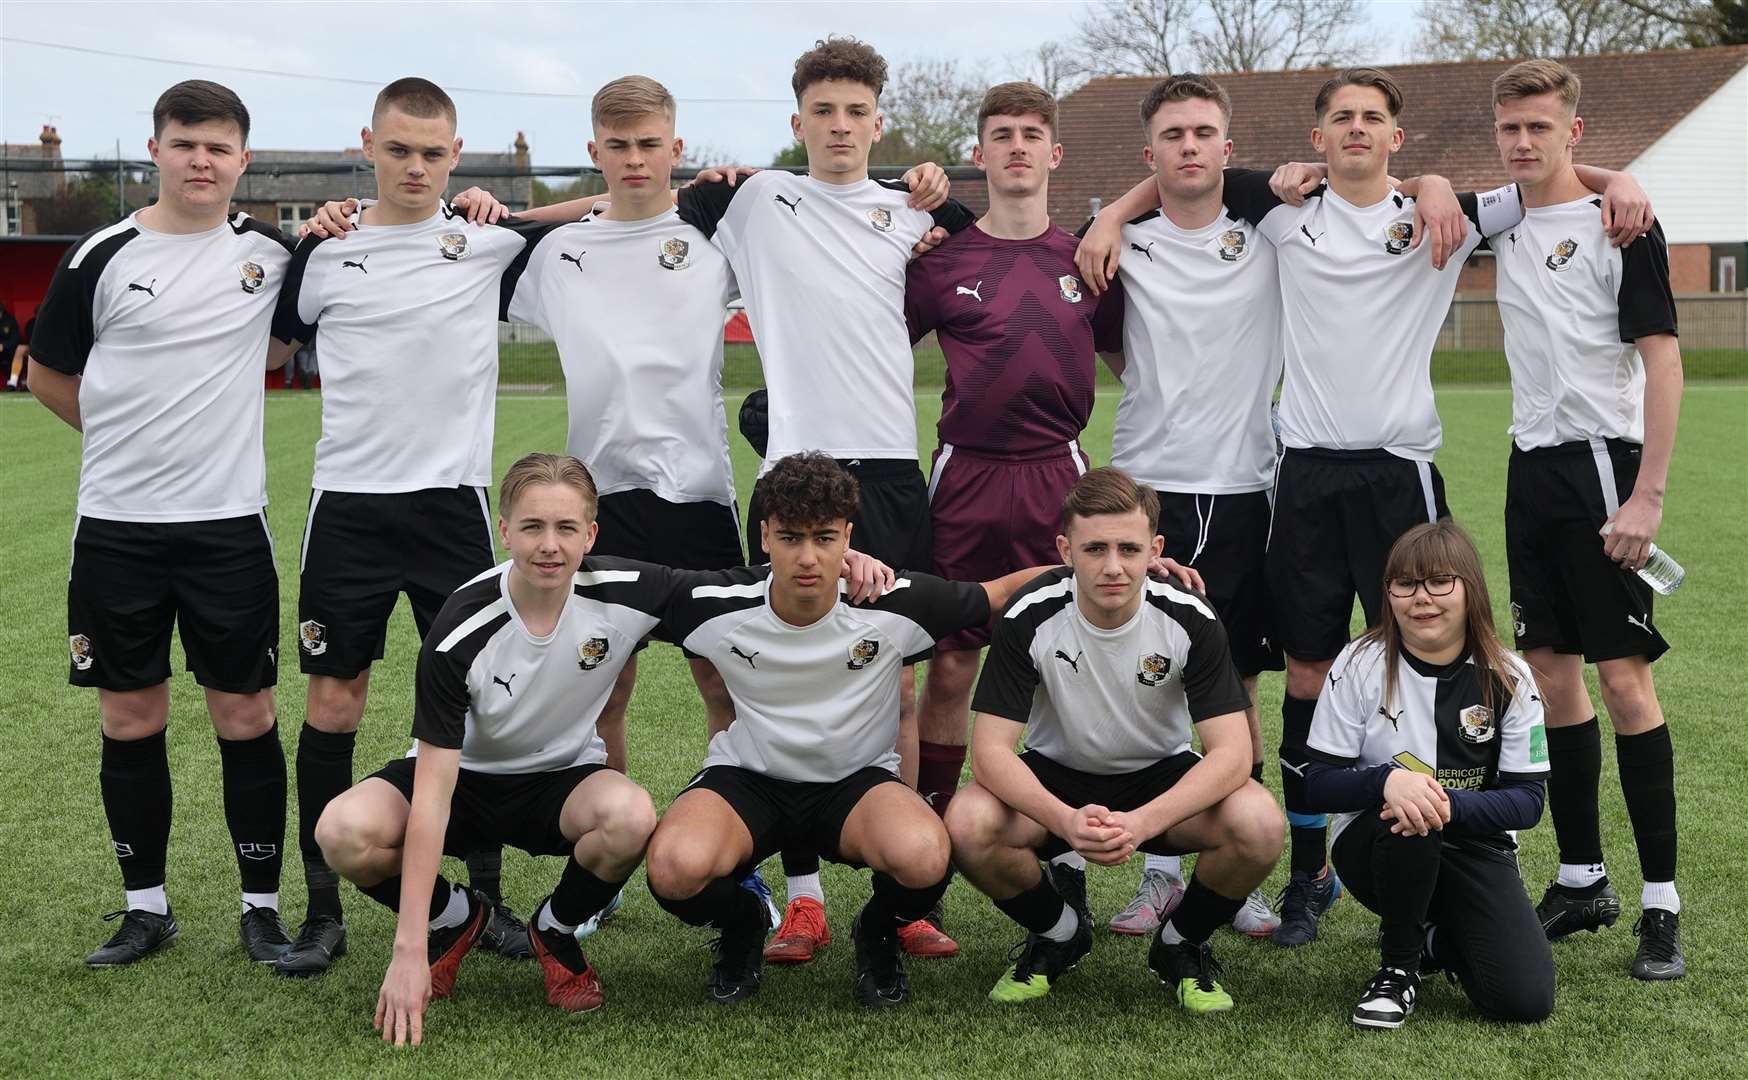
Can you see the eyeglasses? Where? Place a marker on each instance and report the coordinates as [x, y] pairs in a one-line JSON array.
[[1437, 585]]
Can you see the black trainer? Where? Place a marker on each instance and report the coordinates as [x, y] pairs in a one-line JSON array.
[[1037, 961], [880, 978], [1566, 910], [320, 941], [1070, 884], [1388, 1000], [1189, 969], [506, 935], [1301, 904], [1659, 956], [142, 933], [740, 960], [263, 934]]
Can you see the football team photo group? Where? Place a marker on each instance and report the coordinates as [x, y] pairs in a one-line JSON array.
[[994, 676]]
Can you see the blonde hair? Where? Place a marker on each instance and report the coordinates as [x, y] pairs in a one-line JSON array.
[[538, 468], [1535, 77], [628, 99]]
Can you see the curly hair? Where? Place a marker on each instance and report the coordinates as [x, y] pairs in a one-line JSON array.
[[839, 58], [808, 489]]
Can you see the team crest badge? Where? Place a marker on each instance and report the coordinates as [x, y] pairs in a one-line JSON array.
[[881, 219], [312, 637], [453, 245], [862, 653], [1153, 669], [1070, 286], [79, 646], [1475, 724], [1398, 237], [1517, 619], [1232, 245], [251, 276], [591, 652], [676, 254], [1561, 256]]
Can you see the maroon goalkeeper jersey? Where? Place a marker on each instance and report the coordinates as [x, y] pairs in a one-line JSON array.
[[1020, 334]]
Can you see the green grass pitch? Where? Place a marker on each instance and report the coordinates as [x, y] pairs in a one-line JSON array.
[[202, 1010]]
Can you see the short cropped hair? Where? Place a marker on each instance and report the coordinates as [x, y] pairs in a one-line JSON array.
[[842, 58], [808, 489], [1017, 99], [538, 468], [1360, 76], [626, 100], [1182, 88], [1535, 77], [1110, 491], [415, 97], [196, 101]]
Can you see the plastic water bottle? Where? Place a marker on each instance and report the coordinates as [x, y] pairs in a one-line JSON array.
[[1661, 572]]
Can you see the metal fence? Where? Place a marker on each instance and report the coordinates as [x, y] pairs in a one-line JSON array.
[[1471, 349]]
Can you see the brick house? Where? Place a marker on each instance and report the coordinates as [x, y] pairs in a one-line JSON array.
[[1675, 119]]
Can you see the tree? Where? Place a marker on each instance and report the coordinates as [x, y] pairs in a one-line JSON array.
[[931, 105], [1702, 22], [1052, 66], [86, 203], [1134, 37], [892, 149], [1511, 29], [1255, 35]]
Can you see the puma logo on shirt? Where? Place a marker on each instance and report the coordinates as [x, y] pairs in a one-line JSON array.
[[1073, 662], [505, 683], [748, 657], [147, 289], [1147, 251], [358, 265], [577, 259], [963, 291], [791, 205]]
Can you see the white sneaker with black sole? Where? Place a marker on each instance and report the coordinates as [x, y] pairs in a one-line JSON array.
[[1388, 1000]]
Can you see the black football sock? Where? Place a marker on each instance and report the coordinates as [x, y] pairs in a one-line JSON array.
[[1574, 777], [893, 905], [1647, 767], [580, 894], [722, 904], [135, 781], [1037, 909], [800, 863], [485, 869], [388, 893], [1310, 831], [254, 782], [324, 771], [1202, 911]]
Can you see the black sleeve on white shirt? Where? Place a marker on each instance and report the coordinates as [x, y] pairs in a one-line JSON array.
[[702, 206], [1646, 302], [288, 325], [939, 606], [1009, 680], [1211, 683], [66, 320], [1247, 194], [953, 215], [532, 233]]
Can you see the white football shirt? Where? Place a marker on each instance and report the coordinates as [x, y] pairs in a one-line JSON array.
[[1201, 356], [1435, 724], [822, 269], [636, 309], [818, 702], [1108, 701], [1361, 312], [169, 334], [513, 702], [1572, 305], [408, 316]]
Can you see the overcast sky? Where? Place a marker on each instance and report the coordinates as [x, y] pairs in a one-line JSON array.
[[728, 63]]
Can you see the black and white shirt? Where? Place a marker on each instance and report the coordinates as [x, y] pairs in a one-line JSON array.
[[1361, 312], [409, 348], [1108, 701], [817, 702], [1573, 304], [514, 702], [822, 268], [636, 309], [1436, 724], [1201, 356], [169, 333]]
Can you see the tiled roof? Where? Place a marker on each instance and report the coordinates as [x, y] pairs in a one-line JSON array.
[[1630, 101]]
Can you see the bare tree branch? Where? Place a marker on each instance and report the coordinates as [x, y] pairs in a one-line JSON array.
[[1134, 37], [1051, 66], [932, 105], [1508, 29]]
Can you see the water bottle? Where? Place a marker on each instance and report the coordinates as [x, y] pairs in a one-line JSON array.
[[1661, 572]]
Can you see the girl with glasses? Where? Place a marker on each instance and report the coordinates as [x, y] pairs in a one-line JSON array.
[[1428, 743]]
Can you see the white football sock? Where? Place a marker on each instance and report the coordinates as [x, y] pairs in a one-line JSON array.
[[455, 913], [1168, 933], [804, 885], [260, 899], [1581, 875], [1074, 860], [152, 900], [1171, 864], [547, 921], [1066, 924], [1660, 894]]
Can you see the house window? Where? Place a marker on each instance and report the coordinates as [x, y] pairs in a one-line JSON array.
[[1727, 273], [291, 215], [12, 222]]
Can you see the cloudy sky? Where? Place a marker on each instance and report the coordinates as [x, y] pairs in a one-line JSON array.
[[308, 71]]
